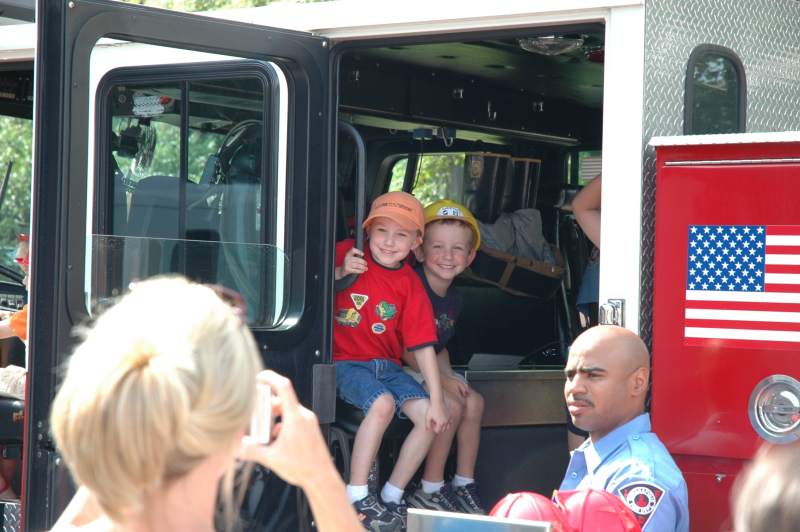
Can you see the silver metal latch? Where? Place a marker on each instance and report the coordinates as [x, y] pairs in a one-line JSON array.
[[612, 312]]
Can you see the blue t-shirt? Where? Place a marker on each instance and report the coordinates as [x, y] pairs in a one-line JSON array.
[[445, 310], [633, 464]]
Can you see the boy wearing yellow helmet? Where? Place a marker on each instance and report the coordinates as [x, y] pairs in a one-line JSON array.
[[449, 245]]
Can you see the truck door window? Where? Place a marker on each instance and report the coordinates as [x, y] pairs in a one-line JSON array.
[[716, 92], [190, 186], [15, 206]]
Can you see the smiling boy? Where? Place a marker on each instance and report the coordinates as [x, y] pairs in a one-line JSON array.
[[384, 313], [451, 240]]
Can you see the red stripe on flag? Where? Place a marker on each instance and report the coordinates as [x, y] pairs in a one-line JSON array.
[[783, 230], [758, 325], [744, 305], [794, 288], [782, 268], [783, 250], [716, 343]]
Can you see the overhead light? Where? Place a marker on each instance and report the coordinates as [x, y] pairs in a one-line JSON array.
[[550, 44]]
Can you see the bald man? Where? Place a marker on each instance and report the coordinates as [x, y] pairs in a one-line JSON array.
[[607, 377]]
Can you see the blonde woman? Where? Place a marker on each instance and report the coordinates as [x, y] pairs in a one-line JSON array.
[[152, 412]]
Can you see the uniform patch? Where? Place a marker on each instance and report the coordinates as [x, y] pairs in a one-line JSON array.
[[358, 300], [378, 328], [348, 317], [385, 311], [642, 498]]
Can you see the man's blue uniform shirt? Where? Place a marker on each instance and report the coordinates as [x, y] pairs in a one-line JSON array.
[[633, 464]]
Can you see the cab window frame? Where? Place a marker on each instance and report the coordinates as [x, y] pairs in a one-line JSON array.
[[690, 92], [185, 75]]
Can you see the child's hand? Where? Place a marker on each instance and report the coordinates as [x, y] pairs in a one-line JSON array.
[[354, 262], [436, 418], [456, 386]]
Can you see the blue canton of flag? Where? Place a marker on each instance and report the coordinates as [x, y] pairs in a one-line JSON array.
[[726, 258]]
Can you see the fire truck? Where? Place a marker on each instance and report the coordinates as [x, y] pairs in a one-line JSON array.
[[237, 147]]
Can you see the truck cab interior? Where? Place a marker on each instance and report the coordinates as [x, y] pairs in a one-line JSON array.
[[502, 123]]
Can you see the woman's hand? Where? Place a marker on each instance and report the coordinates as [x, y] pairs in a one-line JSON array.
[[297, 451]]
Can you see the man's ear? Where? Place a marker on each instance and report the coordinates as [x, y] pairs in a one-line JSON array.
[[419, 254], [640, 381]]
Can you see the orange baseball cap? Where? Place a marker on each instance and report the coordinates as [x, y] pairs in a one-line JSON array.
[[400, 207]]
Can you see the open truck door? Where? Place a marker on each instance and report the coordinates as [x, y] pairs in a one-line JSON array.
[[216, 166], [727, 291]]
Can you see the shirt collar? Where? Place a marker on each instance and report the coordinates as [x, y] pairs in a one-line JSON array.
[[597, 452]]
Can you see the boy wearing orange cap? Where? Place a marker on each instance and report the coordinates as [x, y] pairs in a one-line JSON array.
[[451, 241], [383, 314]]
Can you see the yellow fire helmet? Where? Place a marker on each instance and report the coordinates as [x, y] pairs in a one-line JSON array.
[[452, 210]]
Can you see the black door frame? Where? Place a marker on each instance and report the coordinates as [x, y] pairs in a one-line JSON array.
[[67, 33]]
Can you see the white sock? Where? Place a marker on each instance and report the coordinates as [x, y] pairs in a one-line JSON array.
[[356, 493], [431, 487], [391, 493], [459, 481]]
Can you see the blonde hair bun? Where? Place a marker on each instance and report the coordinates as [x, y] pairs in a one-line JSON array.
[[164, 379]]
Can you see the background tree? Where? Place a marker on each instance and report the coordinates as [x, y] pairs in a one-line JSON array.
[[17, 135]]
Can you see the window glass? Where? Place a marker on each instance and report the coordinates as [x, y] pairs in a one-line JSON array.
[[398, 175], [590, 163], [439, 175], [186, 190], [15, 198], [714, 93]]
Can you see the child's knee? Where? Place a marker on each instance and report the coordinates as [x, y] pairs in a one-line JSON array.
[[474, 405], [455, 408], [382, 409], [415, 410]]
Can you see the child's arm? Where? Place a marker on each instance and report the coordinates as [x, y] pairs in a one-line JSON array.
[[450, 381], [586, 207], [353, 263], [436, 418]]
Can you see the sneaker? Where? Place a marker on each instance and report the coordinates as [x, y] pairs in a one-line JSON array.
[[442, 500], [468, 500], [375, 516], [399, 510]]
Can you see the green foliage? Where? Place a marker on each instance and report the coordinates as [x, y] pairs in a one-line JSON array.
[[439, 176], [15, 211]]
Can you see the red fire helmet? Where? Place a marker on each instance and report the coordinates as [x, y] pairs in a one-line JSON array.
[[532, 507], [591, 510]]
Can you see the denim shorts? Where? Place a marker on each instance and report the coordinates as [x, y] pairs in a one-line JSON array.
[[360, 383]]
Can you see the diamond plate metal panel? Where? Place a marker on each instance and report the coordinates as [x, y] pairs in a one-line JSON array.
[[11, 516], [763, 33]]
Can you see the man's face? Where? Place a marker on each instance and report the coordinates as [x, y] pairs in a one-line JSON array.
[[598, 388], [389, 242], [446, 250]]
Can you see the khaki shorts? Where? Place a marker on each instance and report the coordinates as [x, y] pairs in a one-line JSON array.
[[417, 376]]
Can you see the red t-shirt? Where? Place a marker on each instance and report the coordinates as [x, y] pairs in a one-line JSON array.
[[381, 313]]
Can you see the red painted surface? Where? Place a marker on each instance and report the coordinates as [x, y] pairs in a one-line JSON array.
[[700, 393]]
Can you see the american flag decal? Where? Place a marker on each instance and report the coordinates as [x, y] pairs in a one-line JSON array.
[[743, 286]]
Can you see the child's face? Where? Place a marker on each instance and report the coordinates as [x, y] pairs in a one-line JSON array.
[[389, 242], [446, 250]]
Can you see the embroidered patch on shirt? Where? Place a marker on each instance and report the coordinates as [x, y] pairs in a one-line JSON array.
[[444, 322], [378, 328], [359, 300], [642, 498], [348, 317], [385, 311]]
